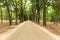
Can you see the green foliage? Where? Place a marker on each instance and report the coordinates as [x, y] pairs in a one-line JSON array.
[[29, 9]]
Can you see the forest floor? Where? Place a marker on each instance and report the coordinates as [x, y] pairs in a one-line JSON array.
[[55, 29], [5, 27]]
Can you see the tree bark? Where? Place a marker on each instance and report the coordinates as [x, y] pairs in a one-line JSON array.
[[8, 11], [1, 15], [44, 12], [22, 15], [38, 11], [16, 10]]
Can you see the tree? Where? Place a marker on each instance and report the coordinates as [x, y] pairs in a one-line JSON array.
[[34, 16], [8, 11], [16, 10], [44, 12], [22, 14], [1, 15], [38, 11]]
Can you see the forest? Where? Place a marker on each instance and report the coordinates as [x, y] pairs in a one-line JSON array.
[[45, 13], [18, 11]]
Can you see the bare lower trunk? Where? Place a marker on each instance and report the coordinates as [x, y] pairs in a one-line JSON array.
[[16, 10], [1, 16], [8, 11], [38, 11], [44, 12], [22, 15]]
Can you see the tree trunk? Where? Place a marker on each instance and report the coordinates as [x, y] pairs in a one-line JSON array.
[[22, 15], [8, 11], [1, 16], [38, 11], [16, 10], [44, 12], [33, 16]]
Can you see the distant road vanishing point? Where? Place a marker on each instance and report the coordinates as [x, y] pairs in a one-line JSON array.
[[30, 31]]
